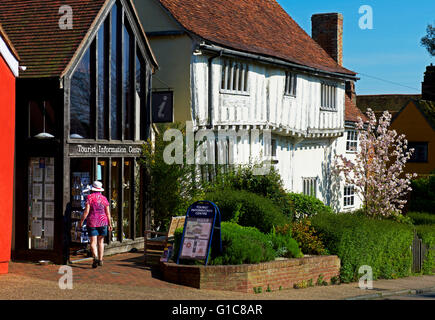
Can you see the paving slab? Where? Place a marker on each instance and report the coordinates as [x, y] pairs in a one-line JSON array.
[[125, 277]]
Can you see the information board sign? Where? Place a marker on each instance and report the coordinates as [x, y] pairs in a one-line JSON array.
[[163, 107], [201, 230]]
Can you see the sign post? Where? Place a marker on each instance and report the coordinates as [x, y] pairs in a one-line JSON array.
[[202, 229]]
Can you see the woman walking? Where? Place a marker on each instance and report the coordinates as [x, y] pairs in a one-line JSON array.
[[97, 212]]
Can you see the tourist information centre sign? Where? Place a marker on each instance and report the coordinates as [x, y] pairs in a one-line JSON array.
[[202, 229]]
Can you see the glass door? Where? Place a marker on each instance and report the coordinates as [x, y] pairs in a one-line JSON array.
[[41, 203], [115, 192], [128, 185]]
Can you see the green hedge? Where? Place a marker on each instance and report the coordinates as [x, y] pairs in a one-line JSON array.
[[304, 206], [285, 246], [248, 209], [427, 234], [241, 245], [383, 245], [269, 185], [421, 218]]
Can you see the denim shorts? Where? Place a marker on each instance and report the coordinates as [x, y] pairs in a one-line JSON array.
[[99, 231]]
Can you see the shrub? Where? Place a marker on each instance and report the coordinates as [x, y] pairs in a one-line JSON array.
[[423, 194], [427, 234], [304, 233], [420, 218], [383, 245], [247, 209], [285, 245], [243, 245], [304, 206], [269, 185], [178, 234]]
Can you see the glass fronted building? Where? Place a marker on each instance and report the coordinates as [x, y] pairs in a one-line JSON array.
[[82, 114]]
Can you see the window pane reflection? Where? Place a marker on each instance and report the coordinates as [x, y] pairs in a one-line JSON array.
[[80, 113], [127, 86], [102, 100], [116, 132]]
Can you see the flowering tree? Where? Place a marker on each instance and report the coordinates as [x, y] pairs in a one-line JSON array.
[[377, 172]]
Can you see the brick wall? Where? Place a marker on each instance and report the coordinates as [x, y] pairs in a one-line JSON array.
[[327, 31], [244, 278]]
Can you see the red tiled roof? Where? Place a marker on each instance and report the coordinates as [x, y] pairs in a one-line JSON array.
[[33, 28], [384, 102], [352, 113], [8, 42], [255, 26]]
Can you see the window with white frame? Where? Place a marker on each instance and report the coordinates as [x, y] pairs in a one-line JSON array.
[[352, 141], [328, 97], [273, 148], [349, 196], [290, 84], [310, 186], [234, 76]]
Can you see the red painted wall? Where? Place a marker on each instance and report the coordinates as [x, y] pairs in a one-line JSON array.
[[7, 144]]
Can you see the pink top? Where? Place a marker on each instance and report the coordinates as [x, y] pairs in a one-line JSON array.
[[97, 214]]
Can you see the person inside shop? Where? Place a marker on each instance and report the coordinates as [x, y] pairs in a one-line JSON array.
[[99, 221]]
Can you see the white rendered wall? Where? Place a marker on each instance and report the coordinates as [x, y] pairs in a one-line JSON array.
[[265, 102], [341, 149]]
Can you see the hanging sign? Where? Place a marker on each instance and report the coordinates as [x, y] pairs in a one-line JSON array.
[[201, 231], [163, 106]]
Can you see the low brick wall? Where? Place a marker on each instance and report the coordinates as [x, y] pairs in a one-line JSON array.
[[244, 278]]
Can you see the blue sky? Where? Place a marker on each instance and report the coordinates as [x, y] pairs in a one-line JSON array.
[[390, 51]]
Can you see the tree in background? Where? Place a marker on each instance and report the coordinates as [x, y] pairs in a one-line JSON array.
[[172, 189], [428, 41], [377, 172]]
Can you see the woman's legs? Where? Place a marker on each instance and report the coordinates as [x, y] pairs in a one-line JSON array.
[[100, 247], [94, 247]]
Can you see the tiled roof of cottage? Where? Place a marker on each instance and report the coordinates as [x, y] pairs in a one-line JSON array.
[[352, 113], [33, 28], [255, 26], [384, 102], [8, 42]]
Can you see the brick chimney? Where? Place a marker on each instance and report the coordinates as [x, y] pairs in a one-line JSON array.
[[428, 85], [327, 31], [350, 91]]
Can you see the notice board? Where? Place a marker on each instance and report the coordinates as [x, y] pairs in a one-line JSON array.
[[201, 231]]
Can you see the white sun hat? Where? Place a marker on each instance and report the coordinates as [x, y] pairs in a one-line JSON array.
[[97, 186]]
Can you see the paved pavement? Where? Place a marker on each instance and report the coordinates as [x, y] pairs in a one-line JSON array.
[[125, 277]]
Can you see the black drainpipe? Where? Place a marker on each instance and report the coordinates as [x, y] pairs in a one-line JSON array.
[[210, 87]]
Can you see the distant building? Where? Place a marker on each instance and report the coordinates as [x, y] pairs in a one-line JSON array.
[[414, 116], [384, 102]]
